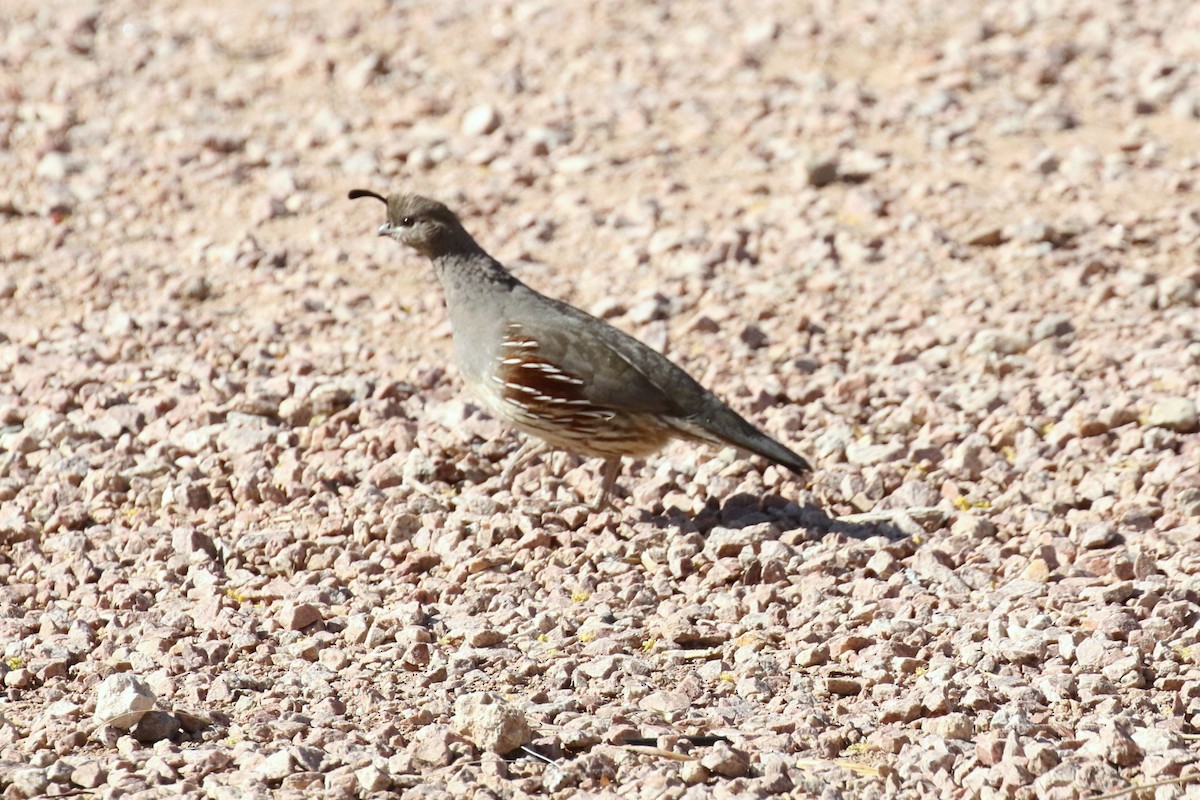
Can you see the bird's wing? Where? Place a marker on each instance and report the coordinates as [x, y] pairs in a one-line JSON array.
[[613, 368], [607, 369]]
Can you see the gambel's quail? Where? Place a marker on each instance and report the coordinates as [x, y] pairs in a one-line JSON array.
[[558, 373]]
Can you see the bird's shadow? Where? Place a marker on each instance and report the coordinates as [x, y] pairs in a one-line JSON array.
[[743, 510]]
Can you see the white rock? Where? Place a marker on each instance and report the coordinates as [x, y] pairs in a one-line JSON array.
[[1176, 291], [1176, 413], [29, 782], [951, 726], [965, 461], [481, 120], [761, 32], [372, 779], [693, 772], [972, 526], [994, 340], [491, 723], [52, 167], [122, 699], [199, 439], [364, 71], [276, 766], [865, 453], [1154, 740], [61, 709], [574, 165]]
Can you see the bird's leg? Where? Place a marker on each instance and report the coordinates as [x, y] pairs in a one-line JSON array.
[[612, 468], [431, 493], [531, 448]]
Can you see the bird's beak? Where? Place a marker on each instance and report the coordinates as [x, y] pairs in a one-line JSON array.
[[385, 229]]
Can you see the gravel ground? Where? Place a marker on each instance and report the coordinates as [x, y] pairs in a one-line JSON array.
[[251, 538]]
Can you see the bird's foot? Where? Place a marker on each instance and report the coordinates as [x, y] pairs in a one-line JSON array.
[[525, 453]]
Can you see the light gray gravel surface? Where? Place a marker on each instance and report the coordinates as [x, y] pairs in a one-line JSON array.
[[948, 250]]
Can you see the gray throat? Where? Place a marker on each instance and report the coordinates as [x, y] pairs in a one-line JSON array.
[[477, 289]]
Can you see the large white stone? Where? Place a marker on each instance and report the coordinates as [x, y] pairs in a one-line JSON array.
[[122, 699]]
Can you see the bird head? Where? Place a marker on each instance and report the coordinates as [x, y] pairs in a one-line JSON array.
[[425, 225]]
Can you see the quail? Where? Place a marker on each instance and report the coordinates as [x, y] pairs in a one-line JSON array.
[[555, 372]]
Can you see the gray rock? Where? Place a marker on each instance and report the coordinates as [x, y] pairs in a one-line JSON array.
[[155, 726], [1045, 163], [821, 171], [986, 236], [1052, 326]]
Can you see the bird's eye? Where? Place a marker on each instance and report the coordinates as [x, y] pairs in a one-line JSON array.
[[406, 221]]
